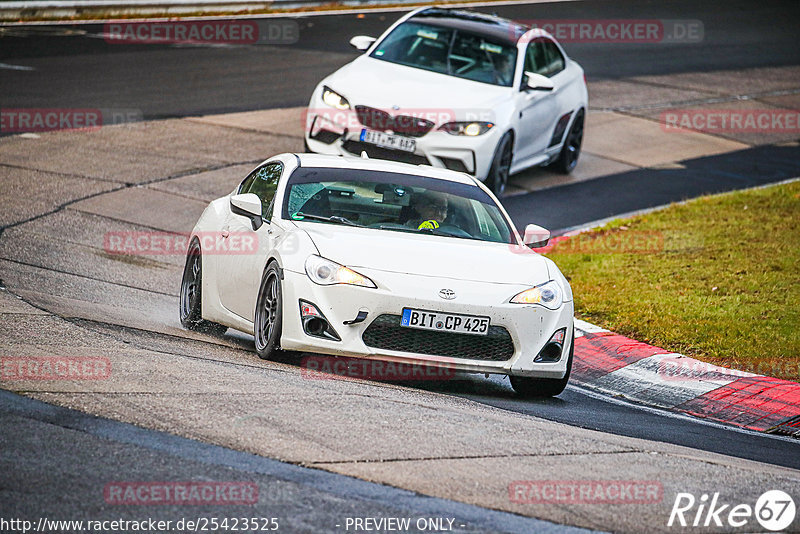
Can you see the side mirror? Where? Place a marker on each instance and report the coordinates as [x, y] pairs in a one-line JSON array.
[[248, 205], [537, 82], [362, 42], [536, 236]]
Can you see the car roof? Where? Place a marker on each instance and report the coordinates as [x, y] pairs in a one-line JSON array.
[[498, 29], [341, 162]]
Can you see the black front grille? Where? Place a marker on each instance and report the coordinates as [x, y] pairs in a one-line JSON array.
[[454, 164], [377, 119], [326, 136], [386, 333], [376, 152]]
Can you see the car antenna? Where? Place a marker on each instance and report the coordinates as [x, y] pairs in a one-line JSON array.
[[364, 154]]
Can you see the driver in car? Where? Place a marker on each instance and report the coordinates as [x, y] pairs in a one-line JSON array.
[[430, 210]]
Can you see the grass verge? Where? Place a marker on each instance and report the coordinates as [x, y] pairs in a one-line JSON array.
[[716, 278]]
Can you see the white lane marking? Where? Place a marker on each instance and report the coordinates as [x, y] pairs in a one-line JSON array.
[[15, 67], [674, 415]]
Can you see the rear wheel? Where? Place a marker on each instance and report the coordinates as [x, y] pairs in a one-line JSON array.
[[568, 158], [192, 292], [543, 387], [269, 313], [501, 165]]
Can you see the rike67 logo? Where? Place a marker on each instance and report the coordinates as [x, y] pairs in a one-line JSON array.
[[775, 511]]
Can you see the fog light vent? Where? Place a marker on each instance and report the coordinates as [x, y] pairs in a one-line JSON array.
[[314, 322], [552, 350]]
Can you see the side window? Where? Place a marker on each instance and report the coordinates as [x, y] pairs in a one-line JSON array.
[[555, 61], [263, 182], [543, 57], [534, 57]]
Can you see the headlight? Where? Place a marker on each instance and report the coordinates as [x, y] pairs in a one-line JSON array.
[[548, 295], [326, 272], [334, 99], [471, 129]]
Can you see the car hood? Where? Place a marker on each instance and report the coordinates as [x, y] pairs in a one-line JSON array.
[[428, 255], [384, 85]]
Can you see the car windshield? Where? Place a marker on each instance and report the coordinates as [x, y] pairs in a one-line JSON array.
[[394, 202], [449, 51]]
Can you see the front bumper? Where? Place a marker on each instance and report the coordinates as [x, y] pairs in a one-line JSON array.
[[332, 132], [528, 326]]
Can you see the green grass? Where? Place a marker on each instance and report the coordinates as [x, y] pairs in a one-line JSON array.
[[716, 278]]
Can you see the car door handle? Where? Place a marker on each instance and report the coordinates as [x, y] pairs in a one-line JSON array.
[[225, 232]]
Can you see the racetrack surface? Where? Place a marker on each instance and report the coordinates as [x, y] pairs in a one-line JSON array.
[[75, 66], [471, 437]]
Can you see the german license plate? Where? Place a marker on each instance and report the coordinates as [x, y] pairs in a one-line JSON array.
[[395, 142], [445, 322]]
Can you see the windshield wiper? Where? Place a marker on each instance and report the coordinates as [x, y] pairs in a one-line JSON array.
[[395, 228], [332, 218]]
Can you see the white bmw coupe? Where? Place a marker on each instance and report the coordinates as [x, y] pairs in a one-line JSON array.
[[458, 90], [376, 259]]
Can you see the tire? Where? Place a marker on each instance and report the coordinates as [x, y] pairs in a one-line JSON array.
[[501, 165], [543, 387], [191, 307], [568, 158], [269, 314]]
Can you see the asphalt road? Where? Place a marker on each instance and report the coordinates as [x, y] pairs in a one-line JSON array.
[[58, 464], [75, 67], [582, 408], [574, 205]]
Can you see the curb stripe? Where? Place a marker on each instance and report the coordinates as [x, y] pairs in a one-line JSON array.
[[617, 365], [599, 354], [652, 381], [756, 403]]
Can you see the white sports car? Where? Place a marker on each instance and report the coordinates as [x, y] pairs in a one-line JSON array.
[[383, 260], [458, 90]]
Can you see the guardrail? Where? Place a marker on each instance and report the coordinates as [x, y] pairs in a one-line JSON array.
[[67, 9]]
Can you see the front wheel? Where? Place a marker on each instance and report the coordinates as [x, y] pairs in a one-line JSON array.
[[568, 158], [543, 387], [501, 165], [192, 293], [269, 313]]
